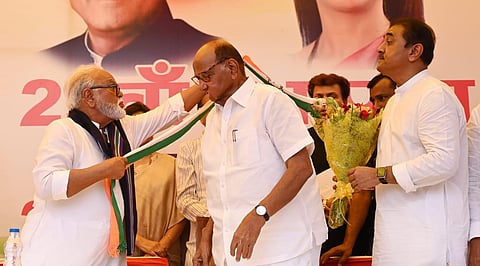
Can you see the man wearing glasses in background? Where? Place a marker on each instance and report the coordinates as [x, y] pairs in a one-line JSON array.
[[73, 221]]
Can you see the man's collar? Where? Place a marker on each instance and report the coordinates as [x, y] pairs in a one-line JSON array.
[[411, 81], [96, 124], [243, 93]]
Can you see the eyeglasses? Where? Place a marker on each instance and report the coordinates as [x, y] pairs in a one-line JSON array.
[[206, 75], [113, 86]]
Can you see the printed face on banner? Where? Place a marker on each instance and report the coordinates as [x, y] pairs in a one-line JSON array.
[[118, 17]]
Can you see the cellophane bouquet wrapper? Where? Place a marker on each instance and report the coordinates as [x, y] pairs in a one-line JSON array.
[[350, 134]]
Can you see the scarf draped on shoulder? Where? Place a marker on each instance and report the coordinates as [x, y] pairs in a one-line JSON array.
[[122, 232]]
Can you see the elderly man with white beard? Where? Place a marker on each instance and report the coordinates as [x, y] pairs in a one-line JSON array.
[[84, 211]]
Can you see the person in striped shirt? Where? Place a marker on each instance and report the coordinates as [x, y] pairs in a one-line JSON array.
[[191, 191]]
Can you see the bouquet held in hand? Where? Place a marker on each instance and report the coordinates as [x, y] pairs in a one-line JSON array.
[[350, 135]]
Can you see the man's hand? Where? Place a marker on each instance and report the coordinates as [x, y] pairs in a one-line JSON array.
[[341, 250], [161, 249], [115, 167], [79, 179], [246, 236], [327, 204], [363, 178], [474, 252], [203, 255]]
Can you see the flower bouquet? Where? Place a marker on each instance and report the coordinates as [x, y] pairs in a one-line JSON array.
[[350, 135]]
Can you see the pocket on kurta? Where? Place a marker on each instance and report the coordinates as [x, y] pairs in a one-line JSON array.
[[245, 147]]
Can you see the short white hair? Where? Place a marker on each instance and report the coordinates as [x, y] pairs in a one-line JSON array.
[[81, 78]]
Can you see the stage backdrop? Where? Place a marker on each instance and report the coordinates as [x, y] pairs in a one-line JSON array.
[[268, 31]]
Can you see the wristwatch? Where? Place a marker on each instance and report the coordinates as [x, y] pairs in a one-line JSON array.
[[262, 211], [382, 175]]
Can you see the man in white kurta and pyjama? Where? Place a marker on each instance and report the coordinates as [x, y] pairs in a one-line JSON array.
[[70, 221], [244, 171], [261, 191], [422, 170]]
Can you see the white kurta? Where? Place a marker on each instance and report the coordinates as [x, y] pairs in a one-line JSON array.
[[74, 231], [424, 219], [244, 149], [473, 130]]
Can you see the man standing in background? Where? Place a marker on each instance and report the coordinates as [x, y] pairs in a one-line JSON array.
[[381, 89], [191, 189], [354, 238]]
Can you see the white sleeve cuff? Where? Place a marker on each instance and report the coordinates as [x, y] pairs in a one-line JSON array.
[[59, 184], [474, 229], [402, 177], [177, 104]]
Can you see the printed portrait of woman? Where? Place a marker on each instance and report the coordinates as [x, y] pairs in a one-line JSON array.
[[343, 34]]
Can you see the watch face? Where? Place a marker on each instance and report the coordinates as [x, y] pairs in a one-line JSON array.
[[261, 210], [381, 172]]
